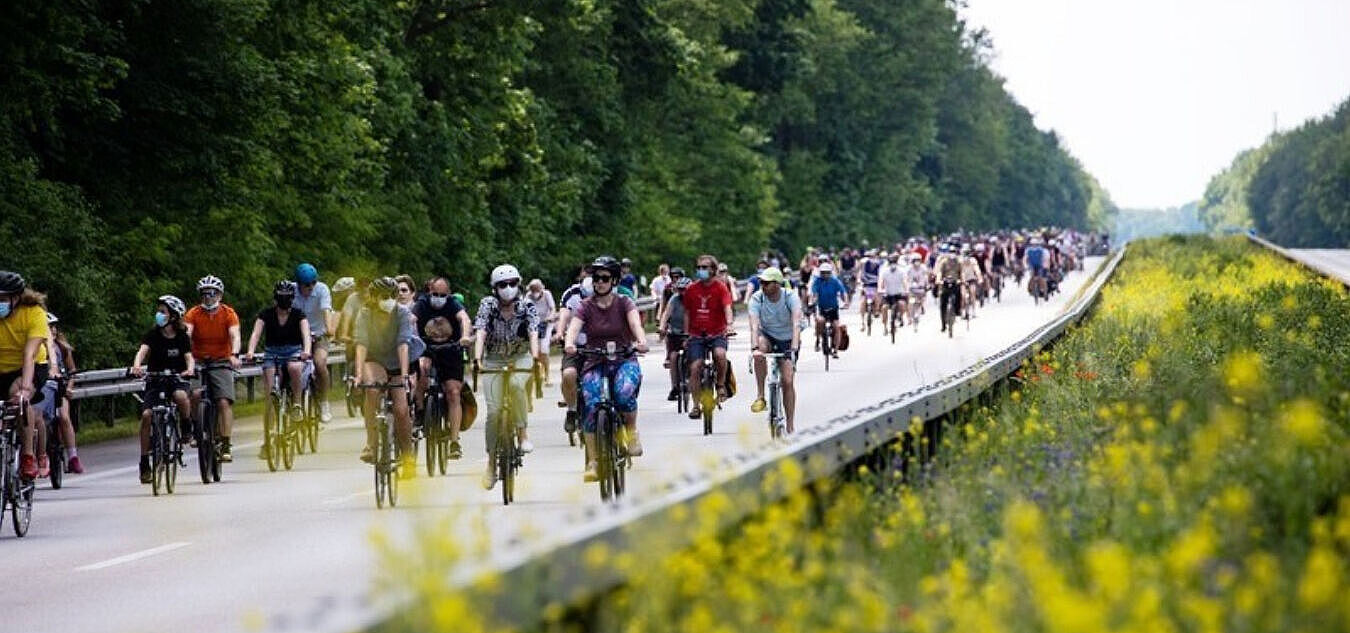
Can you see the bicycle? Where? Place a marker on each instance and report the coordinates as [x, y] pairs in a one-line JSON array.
[[207, 427], [16, 492], [56, 447], [1039, 287], [950, 296], [386, 446], [281, 434], [307, 427], [507, 453], [897, 309], [707, 396], [826, 341], [355, 400], [166, 451], [867, 313], [435, 422], [612, 458], [773, 386]]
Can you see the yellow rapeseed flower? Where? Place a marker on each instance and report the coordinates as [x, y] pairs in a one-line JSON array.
[[1242, 372], [1303, 422]]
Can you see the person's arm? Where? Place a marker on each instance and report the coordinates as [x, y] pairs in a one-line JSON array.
[[30, 352], [139, 359], [51, 353], [796, 318], [465, 327], [191, 365], [326, 309], [662, 316], [570, 337], [234, 345], [639, 334], [253, 338], [306, 344], [403, 359], [361, 364], [753, 314]]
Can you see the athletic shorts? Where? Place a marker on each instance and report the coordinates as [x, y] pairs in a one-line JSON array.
[[448, 361], [830, 314], [222, 382], [891, 300], [159, 392], [698, 345], [780, 346], [8, 379]]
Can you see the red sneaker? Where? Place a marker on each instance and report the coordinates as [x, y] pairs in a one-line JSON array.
[[74, 466], [44, 466], [28, 467]]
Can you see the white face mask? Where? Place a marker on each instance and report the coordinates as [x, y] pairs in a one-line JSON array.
[[438, 302], [508, 293], [388, 305]]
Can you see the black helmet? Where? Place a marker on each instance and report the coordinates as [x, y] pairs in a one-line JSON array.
[[605, 262], [677, 271], [284, 288], [11, 283], [383, 288]]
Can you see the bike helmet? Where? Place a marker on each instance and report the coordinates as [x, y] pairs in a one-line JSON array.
[[344, 284], [626, 262], [683, 283], [51, 318], [11, 283], [174, 304], [826, 268], [210, 282], [306, 274], [505, 272], [383, 288], [605, 262], [677, 272], [284, 288]]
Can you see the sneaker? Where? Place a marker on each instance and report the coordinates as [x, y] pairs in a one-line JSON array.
[[526, 446], [223, 452], [634, 446], [146, 475], [74, 466], [455, 451], [570, 423], [758, 405], [407, 470], [325, 412], [674, 395], [590, 476], [28, 467], [44, 466], [489, 477], [834, 355], [695, 413], [368, 455]]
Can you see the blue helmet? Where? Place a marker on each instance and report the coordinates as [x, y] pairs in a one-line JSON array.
[[306, 274]]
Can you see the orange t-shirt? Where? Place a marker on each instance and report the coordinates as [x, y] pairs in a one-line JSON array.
[[211, 331]]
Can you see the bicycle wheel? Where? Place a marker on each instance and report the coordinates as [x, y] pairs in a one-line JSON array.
[[175, 454], [506, 471], [826, 343], [618, 458], [774, 412], [893, 327], [21, 505], [433, 425], [286, 436], [382, 460], [271, 423], [158, 454], [55, 453], [604, 456], [206, 441]]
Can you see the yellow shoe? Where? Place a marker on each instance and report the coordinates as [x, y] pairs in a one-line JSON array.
[[758, 406], [590, 476]]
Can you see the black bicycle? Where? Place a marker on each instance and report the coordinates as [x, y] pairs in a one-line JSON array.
[[896, 308], [354, 398], [56, 446], [16, 491], [166, 451], [612, 458], [435, 415], [281, 427], [827, 342], [950, 296], [708, 399], [682, 394], [506, 453], [210, 446], [386, 445]]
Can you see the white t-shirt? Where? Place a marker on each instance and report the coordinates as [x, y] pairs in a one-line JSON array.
[[893, 279], [659, 285]]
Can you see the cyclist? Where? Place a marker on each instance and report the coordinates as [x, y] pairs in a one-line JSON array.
[[439, 313], [671, 329], [213, 328], [627, 280], [774, 313], [970, 276], [848, 269], [23, 355], [386, 343], [287, 337], [1034, 260], [351, 307], [676, 274], [505, 328], [166, 347], [892, 287], [724, 276], [869, 275], [608, 318], [315, 300], [708, 320], [947, 269], [828, 293], [56, 396], [916, 278], [548, 315], [571, 363]]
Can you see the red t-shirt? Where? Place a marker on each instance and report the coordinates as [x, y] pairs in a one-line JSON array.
[[211, 331], [706, 305]]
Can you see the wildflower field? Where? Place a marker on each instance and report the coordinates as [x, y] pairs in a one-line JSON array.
[[1179, 462]]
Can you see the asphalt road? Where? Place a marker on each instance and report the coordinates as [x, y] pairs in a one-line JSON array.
[[1333, 262], [294, 550]]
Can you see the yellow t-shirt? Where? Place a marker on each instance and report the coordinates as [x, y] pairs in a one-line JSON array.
[[26, 322]]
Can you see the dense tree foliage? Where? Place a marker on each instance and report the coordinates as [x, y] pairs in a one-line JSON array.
[[144, 143], [1294, 189]]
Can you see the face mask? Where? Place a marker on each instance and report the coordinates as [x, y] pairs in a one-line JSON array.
[[508, 293], [702, 274], [5, 309], [438, 302], [759, 270], [211, 307], [587, 287], [388, 305], [161, 319]]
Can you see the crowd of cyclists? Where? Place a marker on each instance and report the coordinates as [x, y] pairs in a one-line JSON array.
[[399, 334]]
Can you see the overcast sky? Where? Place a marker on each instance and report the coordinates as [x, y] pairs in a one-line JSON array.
[[1156, 96]]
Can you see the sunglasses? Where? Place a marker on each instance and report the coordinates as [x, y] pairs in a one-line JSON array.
[[510, 283], [705, 267], [605, 279], [439, 295], [210, 293]]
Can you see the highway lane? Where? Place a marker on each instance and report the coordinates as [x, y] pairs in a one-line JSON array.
[[293, 550], [1333, 262]]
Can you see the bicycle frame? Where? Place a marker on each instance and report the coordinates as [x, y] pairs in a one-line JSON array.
[[16, 492]]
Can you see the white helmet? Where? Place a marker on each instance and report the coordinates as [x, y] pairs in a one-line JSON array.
[[826, 268], [174, 304], [505, 272], [51, 318], [344, 284], [210, 282]]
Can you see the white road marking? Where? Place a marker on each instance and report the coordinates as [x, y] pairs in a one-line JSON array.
[[145, 553]]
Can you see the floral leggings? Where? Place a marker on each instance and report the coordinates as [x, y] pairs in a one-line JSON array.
[[626, 377]]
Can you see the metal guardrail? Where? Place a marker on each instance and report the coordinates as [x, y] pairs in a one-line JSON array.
[[560, 574]]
